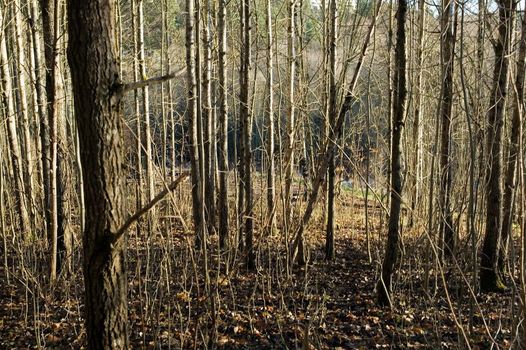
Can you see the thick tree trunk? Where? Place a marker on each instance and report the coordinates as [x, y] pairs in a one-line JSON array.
[[393, 247], [490, 279], [94, 64]]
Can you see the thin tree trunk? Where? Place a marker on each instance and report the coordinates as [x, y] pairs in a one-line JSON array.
[[511, 171], [191, 81], [244, 111], [291, 114], [271, 167], [393, 248], [332, 109], [447, 45], [94, 67], [22, 106], [223, 129], [12, 133]]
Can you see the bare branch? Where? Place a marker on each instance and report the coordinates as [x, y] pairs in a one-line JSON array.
[[157, 80], [149, 206]]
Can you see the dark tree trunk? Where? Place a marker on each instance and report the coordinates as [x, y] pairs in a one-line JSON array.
[[489, 277], [447, 43], [223, 128], [191, 81], [513, 155], [393, 247], [94, 64], [333, 109]]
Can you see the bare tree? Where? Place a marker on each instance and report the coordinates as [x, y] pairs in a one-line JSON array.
[[223, 127], [271, 167], [331, 118], [510, 180], [393, 248], [447, 48], [490, 279]]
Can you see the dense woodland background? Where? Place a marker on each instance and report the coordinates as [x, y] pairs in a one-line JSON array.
[[262, 174]]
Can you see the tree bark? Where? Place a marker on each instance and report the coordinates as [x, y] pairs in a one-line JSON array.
[[513, 154], [447, 45], [271, 168], [12, 133], [223, 128], [332, 110], [94, 64], [490, 279], [393, 247]]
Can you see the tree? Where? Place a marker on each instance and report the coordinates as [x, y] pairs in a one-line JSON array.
[[513, 153], [223, 128], [246, 132], [447, 48], [490, 279], [332, 110], [271, 168], [94, 63], [393, 247]]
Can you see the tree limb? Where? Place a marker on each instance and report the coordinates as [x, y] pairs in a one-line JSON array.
[[143, 83], [121, 231]]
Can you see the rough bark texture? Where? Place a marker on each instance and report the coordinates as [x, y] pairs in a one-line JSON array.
[[489, 276], [393, 249], [93, 59], [513, 155]]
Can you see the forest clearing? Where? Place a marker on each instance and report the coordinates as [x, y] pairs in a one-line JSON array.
[[262, 174]]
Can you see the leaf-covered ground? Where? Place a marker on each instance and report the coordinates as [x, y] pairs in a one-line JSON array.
[[323, 305]]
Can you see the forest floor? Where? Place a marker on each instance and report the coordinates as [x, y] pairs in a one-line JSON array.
[[323, 305]]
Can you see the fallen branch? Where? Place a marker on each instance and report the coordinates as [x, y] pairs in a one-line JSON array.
[[149, 206]]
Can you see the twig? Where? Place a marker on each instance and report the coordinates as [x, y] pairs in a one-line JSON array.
[[149, 206]]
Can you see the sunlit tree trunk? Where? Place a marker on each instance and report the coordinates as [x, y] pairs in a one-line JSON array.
[[208, 118], [12, 134], [19, 10], [271, 167], [191, 81], [291, 115]]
